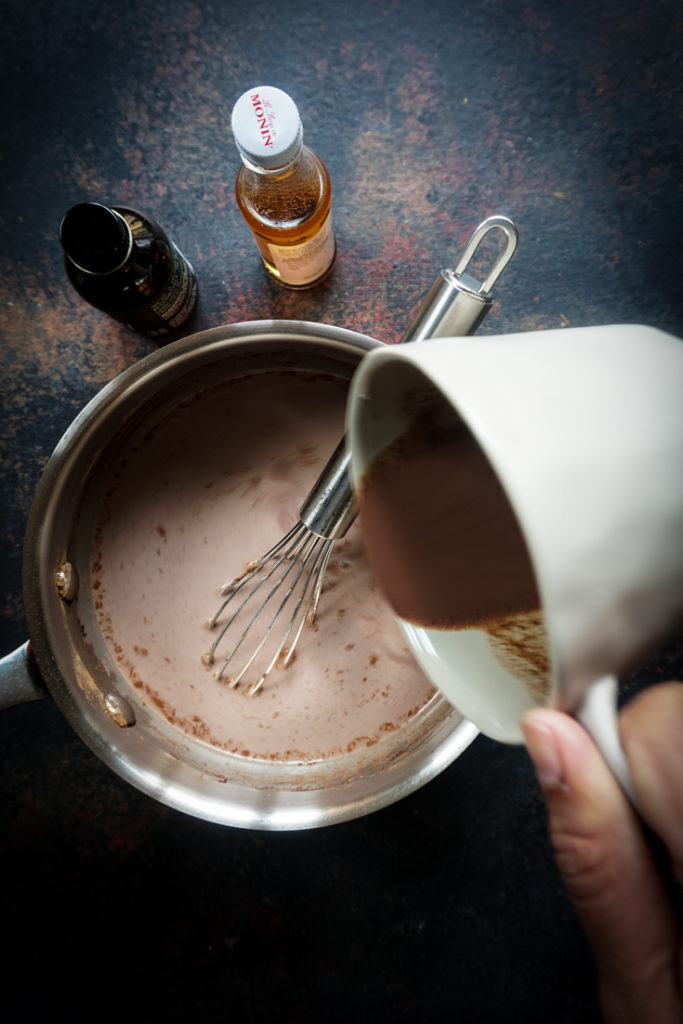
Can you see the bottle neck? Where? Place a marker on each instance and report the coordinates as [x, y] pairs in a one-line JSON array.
[[124, 253], [272, 172]]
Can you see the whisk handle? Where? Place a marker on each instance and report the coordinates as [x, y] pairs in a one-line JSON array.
[[330, 508], [455, 307]]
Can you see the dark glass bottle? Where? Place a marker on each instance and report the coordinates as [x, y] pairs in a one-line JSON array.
[[123, 263]]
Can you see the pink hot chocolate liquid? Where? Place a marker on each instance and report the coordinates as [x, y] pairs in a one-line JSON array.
[[212, 486]]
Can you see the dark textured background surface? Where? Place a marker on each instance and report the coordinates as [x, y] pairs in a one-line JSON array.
[[567, 117]]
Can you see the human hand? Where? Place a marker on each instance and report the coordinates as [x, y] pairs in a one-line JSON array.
[[608, 866]]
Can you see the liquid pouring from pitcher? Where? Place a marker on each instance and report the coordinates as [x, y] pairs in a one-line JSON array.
[[269, 604]]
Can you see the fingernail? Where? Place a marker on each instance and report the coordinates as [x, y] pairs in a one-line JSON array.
[[540, 742]]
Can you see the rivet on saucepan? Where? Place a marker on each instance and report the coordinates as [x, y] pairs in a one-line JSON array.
[[119, 709], [66, 581]]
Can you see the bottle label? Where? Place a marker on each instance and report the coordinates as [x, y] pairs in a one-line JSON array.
[[177, 300], [305, 263]]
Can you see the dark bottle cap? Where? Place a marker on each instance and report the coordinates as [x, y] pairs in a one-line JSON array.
[[95, 238]]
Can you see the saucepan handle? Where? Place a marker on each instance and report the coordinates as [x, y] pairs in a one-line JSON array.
[[599, 715], [20, 679]]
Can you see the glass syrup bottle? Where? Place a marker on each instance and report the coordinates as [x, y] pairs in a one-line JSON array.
[[124, 264], [283, 189]]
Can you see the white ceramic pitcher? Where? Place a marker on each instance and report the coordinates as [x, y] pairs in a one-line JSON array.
[[584, 429]]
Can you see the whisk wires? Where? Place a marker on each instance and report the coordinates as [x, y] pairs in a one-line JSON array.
[[287, 580]]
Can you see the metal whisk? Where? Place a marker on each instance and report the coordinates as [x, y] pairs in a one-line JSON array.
[[268, 605]]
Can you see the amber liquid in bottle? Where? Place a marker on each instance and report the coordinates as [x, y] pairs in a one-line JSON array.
[[288, 212]]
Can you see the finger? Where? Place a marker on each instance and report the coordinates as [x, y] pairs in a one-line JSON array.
[[608, 869], [651, 729]]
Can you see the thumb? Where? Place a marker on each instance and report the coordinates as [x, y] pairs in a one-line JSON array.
[[608, 869]]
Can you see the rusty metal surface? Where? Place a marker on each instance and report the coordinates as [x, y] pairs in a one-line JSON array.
[[569, 119]]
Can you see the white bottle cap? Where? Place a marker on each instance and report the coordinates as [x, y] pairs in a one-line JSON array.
[[267, 127]]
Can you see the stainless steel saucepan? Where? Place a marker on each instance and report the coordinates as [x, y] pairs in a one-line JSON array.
[[67, 659]]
